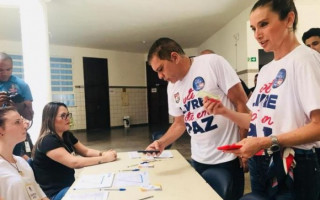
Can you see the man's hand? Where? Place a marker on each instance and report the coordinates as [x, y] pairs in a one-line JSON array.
[[156, 145], [244, 164], [25, 109], [4, 99], [213, 107]]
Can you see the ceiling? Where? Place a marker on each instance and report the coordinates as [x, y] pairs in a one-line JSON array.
[[128, 25]]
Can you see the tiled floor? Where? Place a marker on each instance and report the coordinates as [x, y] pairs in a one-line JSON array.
[[132, 139]]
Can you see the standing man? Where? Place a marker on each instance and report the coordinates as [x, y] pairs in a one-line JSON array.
[[188, 78], [311, 38], [14, 91]]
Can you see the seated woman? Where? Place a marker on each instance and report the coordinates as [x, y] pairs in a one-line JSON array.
[[54, 157], [16, 176]]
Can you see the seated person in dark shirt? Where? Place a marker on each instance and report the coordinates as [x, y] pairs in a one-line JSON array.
[[54, 157]]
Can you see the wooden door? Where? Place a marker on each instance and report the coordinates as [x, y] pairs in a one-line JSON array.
[[96, 87]]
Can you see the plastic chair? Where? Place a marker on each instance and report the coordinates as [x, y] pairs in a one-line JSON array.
[[253, 196], [157, 135], [219, 179]]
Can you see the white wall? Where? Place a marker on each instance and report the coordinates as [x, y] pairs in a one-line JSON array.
[[308, 17], [125, 69], [224, 43]]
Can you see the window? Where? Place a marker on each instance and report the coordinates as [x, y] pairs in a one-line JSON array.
[[17, 70], [62, 80], [61, 77]]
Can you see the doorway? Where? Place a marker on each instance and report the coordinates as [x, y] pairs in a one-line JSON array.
[[157, 100], [96, 88], [264, 58]]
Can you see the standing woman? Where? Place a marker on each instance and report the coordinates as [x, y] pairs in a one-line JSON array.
[[54, 157], [285, 109], [16, 176]]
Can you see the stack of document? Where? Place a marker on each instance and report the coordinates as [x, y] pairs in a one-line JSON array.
[[92, 195], [93, 181], [125, 179]]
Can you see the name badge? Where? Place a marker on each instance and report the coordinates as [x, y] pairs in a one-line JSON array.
[[32, 192], [27, 145]]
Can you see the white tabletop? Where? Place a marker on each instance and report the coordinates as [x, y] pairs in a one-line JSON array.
[[177, 177]]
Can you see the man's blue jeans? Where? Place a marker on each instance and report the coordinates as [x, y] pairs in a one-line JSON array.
[[60, 194], [231, 167], [306, 178]]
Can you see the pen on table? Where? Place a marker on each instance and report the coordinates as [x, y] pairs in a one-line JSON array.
[[102, 188], [146, 198], [113, 189], [138, 164], [128, 170]]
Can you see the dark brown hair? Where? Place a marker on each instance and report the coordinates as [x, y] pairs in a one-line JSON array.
[[281, 7], [163, 47], [49, 114], [3, 112]]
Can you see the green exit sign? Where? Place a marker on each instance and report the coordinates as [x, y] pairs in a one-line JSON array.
[[252, 59]]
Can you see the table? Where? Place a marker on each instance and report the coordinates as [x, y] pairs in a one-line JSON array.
[[177, 177]]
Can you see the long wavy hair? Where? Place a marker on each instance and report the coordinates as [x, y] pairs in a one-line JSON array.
[[49, 114]]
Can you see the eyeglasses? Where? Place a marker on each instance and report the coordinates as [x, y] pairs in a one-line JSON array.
[[25, 122], [66, 116]]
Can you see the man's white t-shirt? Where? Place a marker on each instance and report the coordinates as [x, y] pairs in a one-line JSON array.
[[213, 74], [13, 185], [287, 91]]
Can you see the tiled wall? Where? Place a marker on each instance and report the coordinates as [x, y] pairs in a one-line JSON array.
[[78, 111], [135, 107]]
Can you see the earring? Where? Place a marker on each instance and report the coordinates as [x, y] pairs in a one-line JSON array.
[[290, 29]]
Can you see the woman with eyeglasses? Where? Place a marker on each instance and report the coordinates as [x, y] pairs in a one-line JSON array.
[[284, 123], [54, 157], [16, 176]]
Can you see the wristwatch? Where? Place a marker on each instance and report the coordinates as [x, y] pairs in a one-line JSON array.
[[275, 146]]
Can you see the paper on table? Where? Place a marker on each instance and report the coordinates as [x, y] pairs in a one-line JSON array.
[[165, 154], [92, 195], [94, 181], [133, 154], [124, 179]]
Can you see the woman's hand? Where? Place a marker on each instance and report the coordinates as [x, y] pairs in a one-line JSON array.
[[250, 146], [109, 156]]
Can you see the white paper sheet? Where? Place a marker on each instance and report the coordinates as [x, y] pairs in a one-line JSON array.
[[165, 154], [94, 181], [133, 154], [92, 195], [124, 179]]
